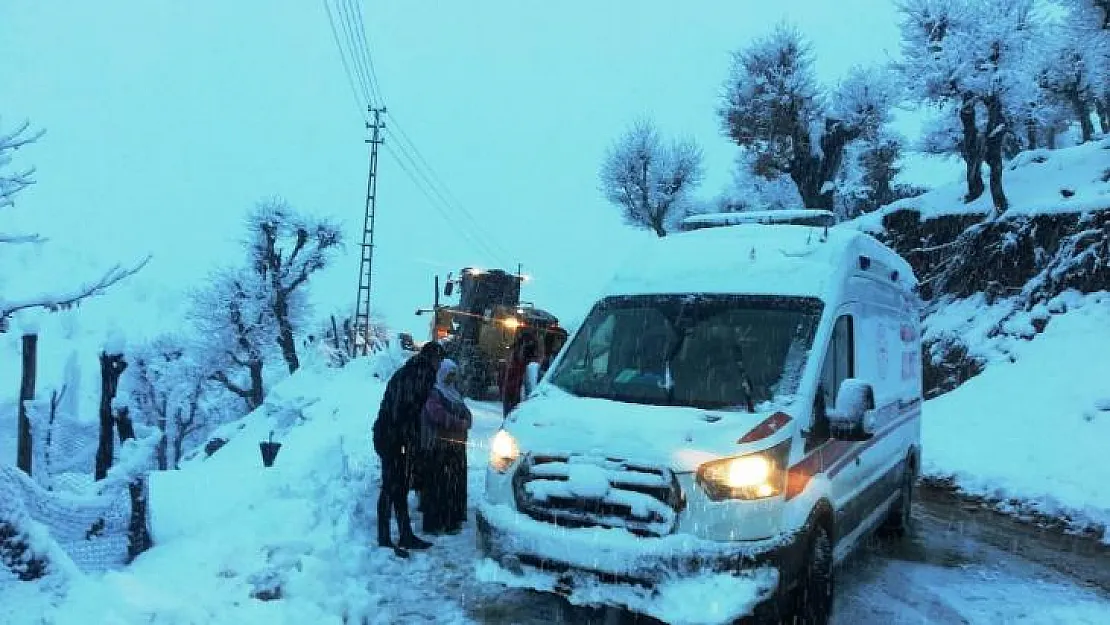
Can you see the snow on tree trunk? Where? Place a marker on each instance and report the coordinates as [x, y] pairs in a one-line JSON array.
[[1102, 106], [161, 452], [286, 341], [111, 368], [996, 135], [1082, 110], [971, 152], [254, 400], [138, 535], [26, 393]]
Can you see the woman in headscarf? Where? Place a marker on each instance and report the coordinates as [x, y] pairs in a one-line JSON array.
[[445, 422]]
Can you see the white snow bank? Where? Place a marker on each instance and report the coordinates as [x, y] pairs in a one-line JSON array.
[[1034, 428], [1038, 181], [237, 543]]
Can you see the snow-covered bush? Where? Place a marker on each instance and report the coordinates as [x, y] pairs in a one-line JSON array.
[[386, 358], [18, 558], [948, 364]]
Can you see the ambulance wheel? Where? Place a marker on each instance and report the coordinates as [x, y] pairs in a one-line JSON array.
[[813, 597], [900, 518]]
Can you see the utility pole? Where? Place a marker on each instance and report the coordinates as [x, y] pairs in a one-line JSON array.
[[360, 341]]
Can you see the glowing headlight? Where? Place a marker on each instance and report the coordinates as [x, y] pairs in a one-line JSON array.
[[511, 323], [755, 476], [503, 451]]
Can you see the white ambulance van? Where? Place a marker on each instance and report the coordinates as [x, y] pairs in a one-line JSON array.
[[733, 415]]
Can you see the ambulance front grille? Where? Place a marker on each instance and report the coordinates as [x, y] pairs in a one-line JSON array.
[[644, 500]]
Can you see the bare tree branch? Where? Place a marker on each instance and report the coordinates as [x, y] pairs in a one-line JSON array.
[[54, 302], [22, 238], [13, 183], [222, 378]]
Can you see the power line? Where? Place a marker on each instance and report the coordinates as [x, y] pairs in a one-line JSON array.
[[346, 67], [358, 65], [436, 201], [441, 188], [375, 87], [358, 56], [438, 189]]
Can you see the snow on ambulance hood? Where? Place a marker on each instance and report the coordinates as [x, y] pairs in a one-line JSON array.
[[555, 422]]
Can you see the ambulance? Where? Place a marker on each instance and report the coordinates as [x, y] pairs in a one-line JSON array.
[[738, 409]]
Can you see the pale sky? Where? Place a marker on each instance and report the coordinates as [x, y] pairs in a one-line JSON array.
[[166, 121]]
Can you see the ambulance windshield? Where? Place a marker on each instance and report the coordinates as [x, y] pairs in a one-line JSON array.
[[703, 351]]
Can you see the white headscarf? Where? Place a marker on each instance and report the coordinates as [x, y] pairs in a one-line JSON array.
[[450, 392]]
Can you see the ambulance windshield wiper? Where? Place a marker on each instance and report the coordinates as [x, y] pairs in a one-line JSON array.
[[746, 382], [668, 377]]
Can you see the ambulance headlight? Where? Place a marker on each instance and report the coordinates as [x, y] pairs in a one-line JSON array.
[[753, 476], [504, 451]]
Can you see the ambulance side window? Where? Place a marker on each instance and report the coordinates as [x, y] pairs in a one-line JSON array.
[[840, 362], [839, 365]]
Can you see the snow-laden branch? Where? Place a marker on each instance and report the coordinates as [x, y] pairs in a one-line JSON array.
[[60, 301], [12, 183]]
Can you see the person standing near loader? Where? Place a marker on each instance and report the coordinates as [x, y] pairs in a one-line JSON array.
[[397, 440], [525, 350]]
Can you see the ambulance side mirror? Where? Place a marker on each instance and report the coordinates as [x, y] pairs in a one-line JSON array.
[[853, 417]]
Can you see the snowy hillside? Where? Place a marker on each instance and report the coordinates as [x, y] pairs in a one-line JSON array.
[[1020, 301], [1029, 433], [1037, 182], [231, 535]]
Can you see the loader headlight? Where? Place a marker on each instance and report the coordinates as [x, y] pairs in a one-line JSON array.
[[511, 323], [754, 476], [503, 451]]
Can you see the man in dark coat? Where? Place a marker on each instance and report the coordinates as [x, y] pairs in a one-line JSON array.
[[397, 438]]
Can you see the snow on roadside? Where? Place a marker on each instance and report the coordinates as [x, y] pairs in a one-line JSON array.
[[233, 537], [1034, 429]]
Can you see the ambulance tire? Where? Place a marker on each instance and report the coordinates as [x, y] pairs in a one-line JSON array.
[[899, 521], [813, 597]]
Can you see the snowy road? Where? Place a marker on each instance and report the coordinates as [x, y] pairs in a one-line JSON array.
[[296, 545], [961, 566]]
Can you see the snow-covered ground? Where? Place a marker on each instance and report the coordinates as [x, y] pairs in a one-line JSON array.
[[238, 543], [1067, 180], [1035, 424], [227, 528]]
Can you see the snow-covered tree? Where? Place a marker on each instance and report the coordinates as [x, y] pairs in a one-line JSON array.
[[868, 179], [1087, 30], [233, 318], [650, 179], [12, 181], [171, 391], [286, 248], [976, 59], [750, 191], [775, 109], [1071, 73]]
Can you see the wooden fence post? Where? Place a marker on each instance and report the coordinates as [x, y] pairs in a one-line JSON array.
[[24, 451]]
